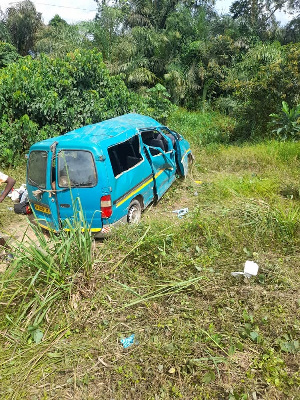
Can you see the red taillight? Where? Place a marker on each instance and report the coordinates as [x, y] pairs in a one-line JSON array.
[[106, 206]]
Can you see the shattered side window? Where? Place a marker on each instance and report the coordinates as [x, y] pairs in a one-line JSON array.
[[76, 168], [125, 155], [154, 138], [37, 168], [171, 134]]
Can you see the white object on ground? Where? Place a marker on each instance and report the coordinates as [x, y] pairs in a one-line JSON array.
[[15, 194], [180, 213], [250, 269]]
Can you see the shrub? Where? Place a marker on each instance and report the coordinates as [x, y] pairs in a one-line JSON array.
[[287, 122], [266, 76], [50, 96]]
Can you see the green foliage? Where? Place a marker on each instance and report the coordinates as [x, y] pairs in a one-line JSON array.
[[50, 96], [57, 21], [52, 263], [202, 128], [16, 137], [157, 104], [287, 123], [258, 15], [267, 75], [22, 22], [8, 54], [59, 39]]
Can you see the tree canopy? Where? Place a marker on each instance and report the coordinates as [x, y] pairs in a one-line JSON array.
[[152, 52]]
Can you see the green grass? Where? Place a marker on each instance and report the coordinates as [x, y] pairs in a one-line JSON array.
[[199, 332]]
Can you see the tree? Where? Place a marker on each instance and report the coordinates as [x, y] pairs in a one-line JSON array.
[[150, 13], [106, 28], [58, 40], [22, 22], [57, 21], [8, 54], [267, 75], [259, 15], [4, 34], [47, 96], [291, 32]]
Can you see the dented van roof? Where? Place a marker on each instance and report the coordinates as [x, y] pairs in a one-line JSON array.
[[108, 130]]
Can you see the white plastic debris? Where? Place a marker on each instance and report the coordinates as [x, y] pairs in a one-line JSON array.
[[250, 269], [180, 213], [16, 194]]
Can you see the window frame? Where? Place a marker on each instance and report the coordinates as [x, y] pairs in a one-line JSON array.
[[32, 181], [110, 151], [70, 185]]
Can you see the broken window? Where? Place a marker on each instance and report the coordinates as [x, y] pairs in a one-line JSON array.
[[153, 138], [37, 167], [125, 155], [76, 168]]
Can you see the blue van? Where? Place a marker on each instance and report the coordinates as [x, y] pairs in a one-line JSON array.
[[115, 167]]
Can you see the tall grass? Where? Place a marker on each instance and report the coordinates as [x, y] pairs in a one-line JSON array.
[[44, 269], [202, 128]]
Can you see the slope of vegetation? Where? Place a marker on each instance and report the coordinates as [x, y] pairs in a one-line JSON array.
[[199, 332]]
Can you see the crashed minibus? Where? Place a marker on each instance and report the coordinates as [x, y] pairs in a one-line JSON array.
[[115, 167]]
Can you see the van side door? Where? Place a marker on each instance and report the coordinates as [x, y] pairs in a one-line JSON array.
[[130, 176], [161, 157], [182, 149]]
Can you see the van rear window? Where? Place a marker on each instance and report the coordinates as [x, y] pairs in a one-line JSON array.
[[76, 168], [37, 167], [125, 155]]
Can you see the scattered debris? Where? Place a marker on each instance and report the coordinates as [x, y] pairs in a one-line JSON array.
[[250, 269], [16, 194], [126, 342], [180, 213], [9, 257], [198, 182]]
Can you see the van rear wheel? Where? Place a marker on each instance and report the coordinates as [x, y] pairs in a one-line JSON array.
[[134, 212]]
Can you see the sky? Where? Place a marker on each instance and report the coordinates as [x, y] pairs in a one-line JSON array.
[[81, 10]]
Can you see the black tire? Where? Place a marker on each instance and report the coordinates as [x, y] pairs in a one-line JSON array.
[[134, 212]]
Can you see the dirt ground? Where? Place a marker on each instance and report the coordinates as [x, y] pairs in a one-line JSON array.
[[18, 228]]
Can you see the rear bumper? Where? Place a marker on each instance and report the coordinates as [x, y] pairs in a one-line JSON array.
[[106, 229]]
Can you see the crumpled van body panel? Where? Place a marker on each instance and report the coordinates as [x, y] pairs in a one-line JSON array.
[[106, 165]]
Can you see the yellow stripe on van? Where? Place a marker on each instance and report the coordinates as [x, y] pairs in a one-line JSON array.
[[185, 154], [47, 228], [134, 192], [68, 230], [159, 173], [139, 188], [83, 229]]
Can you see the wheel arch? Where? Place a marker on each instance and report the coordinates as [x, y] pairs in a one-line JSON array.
[[140, 199]]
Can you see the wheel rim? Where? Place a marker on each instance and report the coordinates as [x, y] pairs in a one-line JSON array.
[[134, 214]]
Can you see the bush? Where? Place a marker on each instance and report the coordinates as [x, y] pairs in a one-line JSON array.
[[8, 54], [287, 122], [50, 96], [267, 76]]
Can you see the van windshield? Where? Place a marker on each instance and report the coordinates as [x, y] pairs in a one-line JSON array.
[[76, 168], [36, 170]]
